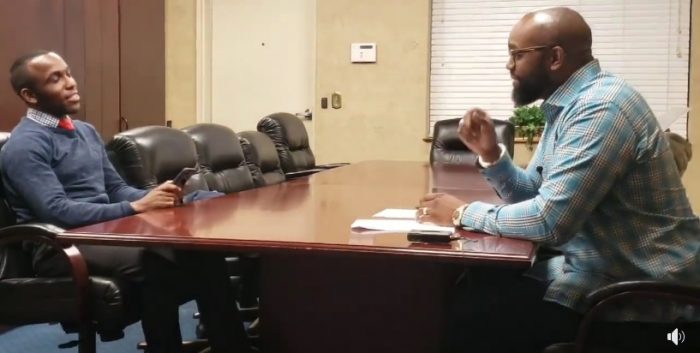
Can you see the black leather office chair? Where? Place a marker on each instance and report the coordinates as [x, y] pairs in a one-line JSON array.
[[662, 302], [224, 168], [87, 305], [148, 156], [289, 136], [262, 159], [447, 148], [220, 157], [682, 150]]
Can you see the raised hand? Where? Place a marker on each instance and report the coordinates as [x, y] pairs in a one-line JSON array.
[[477, 132]]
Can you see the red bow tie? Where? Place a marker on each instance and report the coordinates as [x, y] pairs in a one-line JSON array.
[[66, 123]]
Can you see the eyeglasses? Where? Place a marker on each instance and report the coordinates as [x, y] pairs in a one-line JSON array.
[[517, 54]]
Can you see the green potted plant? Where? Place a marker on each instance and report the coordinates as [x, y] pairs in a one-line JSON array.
[[529, 122]]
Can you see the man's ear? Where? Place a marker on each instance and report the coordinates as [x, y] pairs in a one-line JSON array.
[[556, 61], [28, 96]]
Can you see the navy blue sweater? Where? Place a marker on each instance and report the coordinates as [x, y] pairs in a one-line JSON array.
[[63, 177]]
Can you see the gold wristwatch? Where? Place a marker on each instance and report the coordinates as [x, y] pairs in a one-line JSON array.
[[458, 214]]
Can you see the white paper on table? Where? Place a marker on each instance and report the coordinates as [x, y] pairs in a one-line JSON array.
[[396, 225], [399, 213], [672, 114]]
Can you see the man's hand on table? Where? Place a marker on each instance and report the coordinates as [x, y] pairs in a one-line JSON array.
[[437, 208]]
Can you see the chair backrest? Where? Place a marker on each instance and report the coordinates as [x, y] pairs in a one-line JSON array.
[[682, 150], [447, 148], [7, 216], [289, 135], [149, 155], [14, 262], [221, 158], [262, 158]]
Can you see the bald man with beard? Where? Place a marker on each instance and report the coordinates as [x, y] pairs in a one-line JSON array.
[[602, 189]]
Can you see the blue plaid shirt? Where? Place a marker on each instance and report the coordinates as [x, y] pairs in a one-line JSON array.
[[602, 188]]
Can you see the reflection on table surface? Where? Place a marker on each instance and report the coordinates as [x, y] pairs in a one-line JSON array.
[[315, 213]]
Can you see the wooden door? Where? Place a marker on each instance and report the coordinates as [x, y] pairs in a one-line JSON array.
[[142, 63]]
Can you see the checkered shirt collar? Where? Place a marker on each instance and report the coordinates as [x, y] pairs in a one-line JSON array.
[[42, 118]]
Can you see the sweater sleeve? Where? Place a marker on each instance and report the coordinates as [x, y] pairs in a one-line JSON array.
[[34, 181]]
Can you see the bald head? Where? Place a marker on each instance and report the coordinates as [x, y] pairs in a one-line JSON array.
[[546, 48], [558, 26]]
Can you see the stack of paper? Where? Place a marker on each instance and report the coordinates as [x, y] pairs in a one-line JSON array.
[[395, 220]]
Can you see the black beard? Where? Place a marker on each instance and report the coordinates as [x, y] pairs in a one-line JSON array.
[[523, 96], [530, 89], [51, 105]]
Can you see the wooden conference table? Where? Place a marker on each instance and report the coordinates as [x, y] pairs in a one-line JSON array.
[[324, 287]]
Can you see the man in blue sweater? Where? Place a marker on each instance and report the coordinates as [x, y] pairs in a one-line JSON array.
[[56, 170]]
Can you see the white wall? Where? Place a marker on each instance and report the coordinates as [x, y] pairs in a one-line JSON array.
[[180, 63], [385, 104]]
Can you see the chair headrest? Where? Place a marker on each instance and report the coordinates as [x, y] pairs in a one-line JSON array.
[[13, 261], [446, 136], [217, 146], [221, 158], [150, 155], [7, 215], [682, 150], [449, 149], [285, 128], [263, 153]]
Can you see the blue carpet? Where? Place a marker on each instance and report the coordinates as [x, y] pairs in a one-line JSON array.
[[45, 338]]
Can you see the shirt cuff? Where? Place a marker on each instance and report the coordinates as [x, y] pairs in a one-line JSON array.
[[481, 216], [483, 164]]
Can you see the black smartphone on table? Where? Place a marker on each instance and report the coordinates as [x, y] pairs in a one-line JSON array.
[[183, 176], [432, 236]]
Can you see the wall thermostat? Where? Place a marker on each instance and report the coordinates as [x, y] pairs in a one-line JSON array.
[[363, 52]]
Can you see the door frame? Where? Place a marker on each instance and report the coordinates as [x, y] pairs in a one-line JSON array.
[[203, 61]]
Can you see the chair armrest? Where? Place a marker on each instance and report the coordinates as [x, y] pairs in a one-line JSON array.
[[606, 297], [29, 231], [302, 173], [318, 168], [647, 289], [47, 234], [331, 165]]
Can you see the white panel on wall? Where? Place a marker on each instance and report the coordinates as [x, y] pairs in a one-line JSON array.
[[646, 42]]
